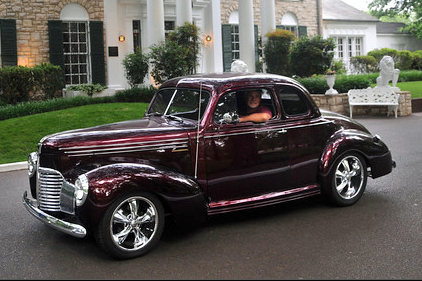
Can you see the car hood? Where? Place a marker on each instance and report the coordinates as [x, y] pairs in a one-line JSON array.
[[342, 120], [138, 130]]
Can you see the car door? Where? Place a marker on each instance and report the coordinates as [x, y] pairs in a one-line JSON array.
[[306, 132], [244, 161]]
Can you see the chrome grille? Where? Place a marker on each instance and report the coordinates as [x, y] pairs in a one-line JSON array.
[[49, 186]]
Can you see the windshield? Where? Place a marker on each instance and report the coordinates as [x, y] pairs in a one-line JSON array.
[[179, 102]]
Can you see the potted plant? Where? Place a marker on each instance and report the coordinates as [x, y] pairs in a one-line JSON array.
[[331, 79]]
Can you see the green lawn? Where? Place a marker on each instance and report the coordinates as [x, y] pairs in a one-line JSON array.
[[415, 87], [20, 136]]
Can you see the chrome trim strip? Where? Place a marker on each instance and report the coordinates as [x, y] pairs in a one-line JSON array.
[[123, 150], [270, 130], [73, 229], [146, 143]]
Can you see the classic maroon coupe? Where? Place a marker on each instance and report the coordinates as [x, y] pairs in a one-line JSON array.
[[189, 158]]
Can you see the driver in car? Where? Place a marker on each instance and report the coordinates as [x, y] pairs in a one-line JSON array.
[[255, 111]]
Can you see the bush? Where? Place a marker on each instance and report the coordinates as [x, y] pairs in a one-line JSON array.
[[89, 89], [21, 84], [378, 54], [311, 55], [417, 60], [168, 60], [49, 80], [16, 84], [405, 60], [136, 68], [136, 95], [363, 64], [276, 51]]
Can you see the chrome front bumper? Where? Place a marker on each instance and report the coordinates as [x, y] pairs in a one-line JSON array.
[[61, 225]]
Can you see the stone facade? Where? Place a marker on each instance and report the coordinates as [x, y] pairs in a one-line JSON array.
[[308, 13], [340, 104], [31, 24]]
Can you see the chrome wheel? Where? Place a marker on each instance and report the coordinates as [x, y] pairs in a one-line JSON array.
[[134, 223], [349, 177], [347, 180], [131, 226]]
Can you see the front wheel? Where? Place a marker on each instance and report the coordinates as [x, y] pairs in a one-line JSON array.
[[347, 180], [131, 226]]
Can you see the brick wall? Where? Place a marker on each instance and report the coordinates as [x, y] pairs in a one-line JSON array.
[[31, 24], [305, 11]]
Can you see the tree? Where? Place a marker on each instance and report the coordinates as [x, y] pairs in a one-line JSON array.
[[310, 56], [187, 36], [168, 60], [410, 10]]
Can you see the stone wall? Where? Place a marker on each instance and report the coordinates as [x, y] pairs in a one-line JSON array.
[[340, 104], [306, 12], [32, 17]]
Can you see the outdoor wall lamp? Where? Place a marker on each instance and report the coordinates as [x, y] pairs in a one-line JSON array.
[[208, 38], [121, 38]]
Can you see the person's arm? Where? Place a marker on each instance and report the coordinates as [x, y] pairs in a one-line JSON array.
[[256, 117]]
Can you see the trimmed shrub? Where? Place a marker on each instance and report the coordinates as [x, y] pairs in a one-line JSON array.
[[363, 64], [310, 56], [16, 84], [276, 51], [136, 68]]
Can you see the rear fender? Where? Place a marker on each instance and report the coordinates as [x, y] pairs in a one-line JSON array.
[[349, 141]]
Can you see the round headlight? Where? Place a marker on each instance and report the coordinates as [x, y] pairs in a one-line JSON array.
[[32, 163], [81, 189]]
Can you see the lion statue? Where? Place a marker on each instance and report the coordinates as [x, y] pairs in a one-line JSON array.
[[387, 72]]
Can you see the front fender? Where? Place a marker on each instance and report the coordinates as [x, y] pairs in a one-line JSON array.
[[180, 194]]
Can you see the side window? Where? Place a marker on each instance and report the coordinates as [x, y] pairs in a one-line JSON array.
[[292, 101], [226, 104], [235, 104]]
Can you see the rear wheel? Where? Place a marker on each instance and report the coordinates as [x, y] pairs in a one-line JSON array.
[[347, 180], [131, 226]]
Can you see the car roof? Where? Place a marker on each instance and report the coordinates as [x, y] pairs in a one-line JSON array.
[[221, 81]]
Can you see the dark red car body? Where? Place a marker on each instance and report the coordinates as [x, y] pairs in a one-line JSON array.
[[216, 167]]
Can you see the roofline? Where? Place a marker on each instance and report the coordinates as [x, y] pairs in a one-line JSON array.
[[347, 20]]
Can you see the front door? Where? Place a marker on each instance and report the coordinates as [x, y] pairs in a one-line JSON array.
[[244, 161]]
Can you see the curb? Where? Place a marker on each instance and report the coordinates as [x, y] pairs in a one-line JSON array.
[[13, 166]]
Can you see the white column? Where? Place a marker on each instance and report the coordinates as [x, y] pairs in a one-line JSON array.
[[246, 33], [155, 21], [183, 12], [267, 18]]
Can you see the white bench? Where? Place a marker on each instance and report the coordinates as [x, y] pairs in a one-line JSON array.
[[374, 96]]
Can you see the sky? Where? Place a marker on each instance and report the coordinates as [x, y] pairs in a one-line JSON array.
[[359, 4]]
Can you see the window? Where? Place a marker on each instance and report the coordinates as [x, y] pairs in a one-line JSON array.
[[168, 27], [76, 44], [75, 48], [348, 47], [292, 102], [180, 102], [235, 42], [136, 27], [234, 103]]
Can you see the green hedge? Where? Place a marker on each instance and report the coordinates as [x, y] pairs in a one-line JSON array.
[[22, 84], [34, 107], [318, 84]]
